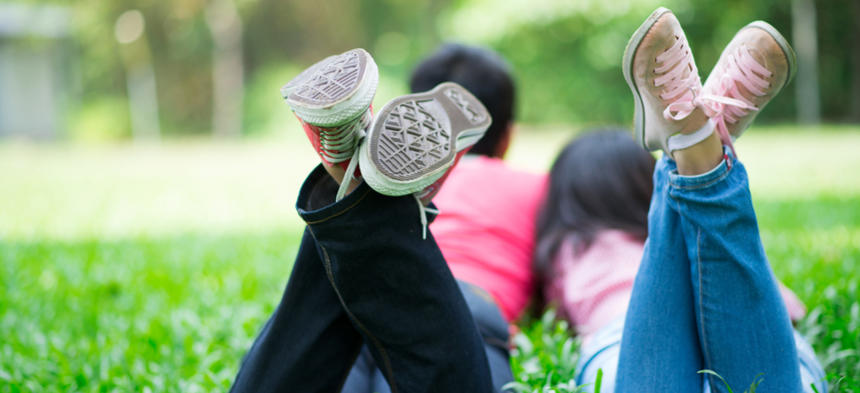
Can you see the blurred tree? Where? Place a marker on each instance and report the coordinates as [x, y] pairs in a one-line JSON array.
[[565, 54], [805, 39], [141, 85], [855, 65], [222, 17]]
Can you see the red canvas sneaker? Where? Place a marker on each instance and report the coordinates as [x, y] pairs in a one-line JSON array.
[[332, 101]]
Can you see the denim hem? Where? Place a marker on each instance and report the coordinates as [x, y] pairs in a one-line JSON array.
[[720, 172], [329, 211]]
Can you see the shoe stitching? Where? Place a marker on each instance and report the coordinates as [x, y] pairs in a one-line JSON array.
[[344, 210], [705, 352]]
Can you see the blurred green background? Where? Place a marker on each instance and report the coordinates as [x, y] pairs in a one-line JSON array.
[[114, 69]]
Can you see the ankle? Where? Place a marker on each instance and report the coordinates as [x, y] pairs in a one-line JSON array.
[[695, 121], [337, 172], [699, 158]]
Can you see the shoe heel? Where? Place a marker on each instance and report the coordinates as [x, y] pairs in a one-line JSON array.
[[335, 90], [627, 70], [415, 138], [411, 137]]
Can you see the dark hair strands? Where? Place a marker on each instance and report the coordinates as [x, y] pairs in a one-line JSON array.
[[601, 180]]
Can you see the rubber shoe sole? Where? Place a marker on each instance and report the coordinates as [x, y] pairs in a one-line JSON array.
[[415, 138], [335, 90]]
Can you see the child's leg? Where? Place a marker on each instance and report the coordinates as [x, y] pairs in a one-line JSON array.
[[742, 325], [602, 355], [396, 288], [366, 377], [742, 322], [659, 346], [308, 344]]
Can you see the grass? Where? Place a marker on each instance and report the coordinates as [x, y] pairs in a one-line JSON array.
[[151, 268], [165, 314]]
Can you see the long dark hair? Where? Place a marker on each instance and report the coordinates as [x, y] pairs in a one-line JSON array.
[[601, 180]]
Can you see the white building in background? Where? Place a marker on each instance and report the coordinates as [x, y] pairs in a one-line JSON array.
[[34, 73]]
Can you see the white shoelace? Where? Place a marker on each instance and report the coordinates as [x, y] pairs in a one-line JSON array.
[[422, 211], [335, 144], [349, 175], [341, 144]]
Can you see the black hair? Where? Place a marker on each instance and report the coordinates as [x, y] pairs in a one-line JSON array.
[[601, 180], [481, 71]]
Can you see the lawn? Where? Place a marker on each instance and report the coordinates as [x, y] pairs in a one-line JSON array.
[[150, 268]]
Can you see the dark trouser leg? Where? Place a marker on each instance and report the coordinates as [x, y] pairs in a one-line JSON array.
[[308, 344], [396, 288], [366, 377]]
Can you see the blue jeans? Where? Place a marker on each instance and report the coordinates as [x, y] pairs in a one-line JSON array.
[[600, 354], [705, 296], [363, 275]]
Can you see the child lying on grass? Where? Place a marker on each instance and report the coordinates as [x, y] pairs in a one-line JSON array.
[[704, 295]]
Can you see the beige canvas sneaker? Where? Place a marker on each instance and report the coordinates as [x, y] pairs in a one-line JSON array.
[[659, 68], [753, 68]]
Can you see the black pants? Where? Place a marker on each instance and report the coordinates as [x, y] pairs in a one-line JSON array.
[[366, 377], [364, 275]]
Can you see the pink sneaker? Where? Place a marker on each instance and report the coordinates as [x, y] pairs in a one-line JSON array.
[[332, 101], [753, 68], [659, 68]]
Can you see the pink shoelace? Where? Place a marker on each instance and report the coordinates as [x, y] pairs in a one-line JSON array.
[[681, 79], [724, 102]]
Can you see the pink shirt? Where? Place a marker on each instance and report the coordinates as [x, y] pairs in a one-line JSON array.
[[485, 228], [594, 287]]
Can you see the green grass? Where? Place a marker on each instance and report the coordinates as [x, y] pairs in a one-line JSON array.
[[135, 268], [168, 314]]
